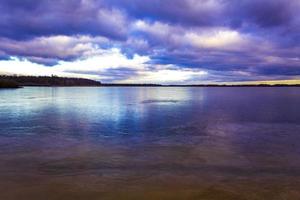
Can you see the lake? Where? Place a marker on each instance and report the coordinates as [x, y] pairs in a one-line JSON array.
[[155, 143]]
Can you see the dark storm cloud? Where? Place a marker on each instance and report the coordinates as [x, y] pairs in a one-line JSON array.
[[269, 13], [27, 19], [265, 13], [171, 11]]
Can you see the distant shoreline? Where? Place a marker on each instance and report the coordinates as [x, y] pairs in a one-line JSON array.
[[44, 81], [157, 85], [166, 86], [54, 81]]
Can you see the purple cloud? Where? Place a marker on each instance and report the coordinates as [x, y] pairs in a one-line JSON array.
[[28, 19], [230, 39]]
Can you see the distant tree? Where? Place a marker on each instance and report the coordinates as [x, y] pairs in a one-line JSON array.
[[8, 84], [49, 81]]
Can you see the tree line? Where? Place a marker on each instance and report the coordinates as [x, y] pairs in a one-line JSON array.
[[15, 81]]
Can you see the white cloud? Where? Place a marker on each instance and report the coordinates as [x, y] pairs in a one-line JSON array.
[[107, 59], [157, 28], [215, 39], [96, 67], [25, 67], [86, 68], [166, 76]]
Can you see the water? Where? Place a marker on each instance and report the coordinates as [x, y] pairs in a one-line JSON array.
[[149, 143]]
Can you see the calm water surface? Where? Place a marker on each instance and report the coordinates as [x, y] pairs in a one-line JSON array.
[[150, 143]]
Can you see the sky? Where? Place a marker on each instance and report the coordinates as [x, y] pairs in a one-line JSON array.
[[152, 41]]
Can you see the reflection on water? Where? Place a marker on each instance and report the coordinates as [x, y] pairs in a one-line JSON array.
[[150, 143]]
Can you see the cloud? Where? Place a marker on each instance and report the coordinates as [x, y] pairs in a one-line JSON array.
[[144, 41], [50, 50], [186, 12], [269, 13], [29, 18], [102, 66], [217, 39], [110, 66], [167, 76]]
